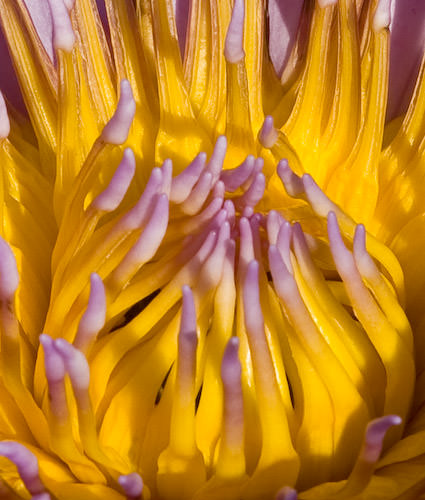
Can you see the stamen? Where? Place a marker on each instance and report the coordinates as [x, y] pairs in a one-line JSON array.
[[138, 215], [326, 3], [167, 176], [219, 190], [4, 119], [293, 184], [286, 493], [199, 194], [132, 484], [215, 165], [145, 247], [183, 183], [274, 221], [9, 275], [382, 17], [369, 454], [235, 177], [246, 251], [284, 244], [26, 463], [268, 134], [75, 365], [231, 459], [55, 373], [233, 48], [93, 319], [320, 203], [63, 34], [113, 195], [181, 468], [255, 192], [117, 129]]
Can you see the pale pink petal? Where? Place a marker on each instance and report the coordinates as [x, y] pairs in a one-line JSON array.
[[407, 47]]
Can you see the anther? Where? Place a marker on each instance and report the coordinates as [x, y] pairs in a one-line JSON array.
[[113, 195], [117, 129], [268, 134], [233, 47], [4, 119], [63, 34], [167, 176]]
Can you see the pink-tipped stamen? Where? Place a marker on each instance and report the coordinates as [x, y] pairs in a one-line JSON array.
[[233, 47], [113, 195], [63, 34], [132, 484], [236, 177], [93, 318], [268, 134], [117, 129], [182, 184], [26, 463], [293, 184]]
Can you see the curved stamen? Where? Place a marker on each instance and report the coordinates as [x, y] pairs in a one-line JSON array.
[[274, 221], [255, 192], [293, 184], [75, 365], [26, 463], [233, 47], [4, 119], [109, 199], [167, 176], [63, 34], [268, 134], [215, 165], [132, 484], [235, 177], [182, 184], [117, 129], [369, 454], [199, 194], [93, 318]]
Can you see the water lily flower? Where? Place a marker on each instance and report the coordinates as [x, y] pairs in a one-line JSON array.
[[211, 273]]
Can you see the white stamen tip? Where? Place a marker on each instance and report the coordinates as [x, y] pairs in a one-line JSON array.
[[63, 34], [233, 47], [132, 484], [268, 134], [116, 130], [382, 17], [4, 119], [9, 276], [113, 195], [326, 3]]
